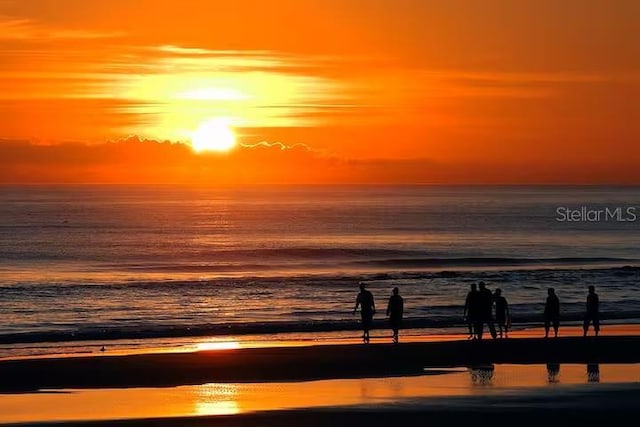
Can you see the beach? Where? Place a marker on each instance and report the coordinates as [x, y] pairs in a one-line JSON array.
[[305, 363], [587, 404], [324, 384], [235, 307], [319, 213]]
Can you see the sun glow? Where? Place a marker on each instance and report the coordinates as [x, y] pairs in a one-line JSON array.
[[213, 135]]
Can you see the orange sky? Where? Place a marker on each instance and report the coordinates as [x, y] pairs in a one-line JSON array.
[[392, 91]]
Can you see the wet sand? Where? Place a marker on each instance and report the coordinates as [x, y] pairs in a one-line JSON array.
[[376, 417], [304, 363], [504, 393], [566, 381]]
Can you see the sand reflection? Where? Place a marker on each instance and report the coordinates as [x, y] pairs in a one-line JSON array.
[[216, 399], [236, 398], [553, 373], [481, 375], [593, 373]]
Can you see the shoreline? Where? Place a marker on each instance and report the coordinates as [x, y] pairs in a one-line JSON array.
[[289, 339], [285, 327], [304, 363]]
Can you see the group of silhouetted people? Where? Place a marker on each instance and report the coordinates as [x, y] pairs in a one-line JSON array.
[[478, 311]]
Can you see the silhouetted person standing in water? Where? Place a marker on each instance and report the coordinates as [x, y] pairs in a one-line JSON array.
[[367, 310], [395, 308], [485, 315], [471, 310], [502, 313], [551, 313], [593, 311]]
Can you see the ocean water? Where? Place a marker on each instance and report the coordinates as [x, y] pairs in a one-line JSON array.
[[131, 262]]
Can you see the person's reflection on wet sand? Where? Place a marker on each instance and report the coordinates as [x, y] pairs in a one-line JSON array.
[[593, 372], [481, 375], [553, 372]]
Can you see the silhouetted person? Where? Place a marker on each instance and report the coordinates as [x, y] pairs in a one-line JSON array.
[[551, 313], [367, 310], [395, 308], [502, 313], [593, 311], [471, 310], [485, 315]]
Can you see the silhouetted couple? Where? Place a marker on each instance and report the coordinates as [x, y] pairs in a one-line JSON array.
[[552, 312], [366, 302], [478, 310]]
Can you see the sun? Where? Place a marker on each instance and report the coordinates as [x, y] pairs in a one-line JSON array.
[[213, 135]]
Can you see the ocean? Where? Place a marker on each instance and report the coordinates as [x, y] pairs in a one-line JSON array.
[[98, 264]]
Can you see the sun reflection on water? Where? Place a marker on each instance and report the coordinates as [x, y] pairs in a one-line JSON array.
[[217, 399]]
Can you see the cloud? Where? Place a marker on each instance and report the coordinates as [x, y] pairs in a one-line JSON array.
[[138, 161], [159, 91], [279, 145], [12, 28], [197, 51], [135, 160]]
